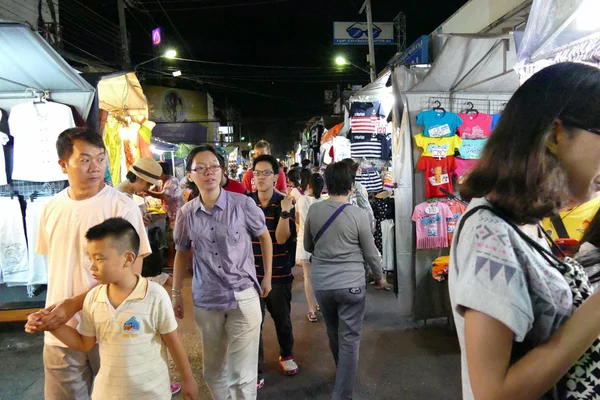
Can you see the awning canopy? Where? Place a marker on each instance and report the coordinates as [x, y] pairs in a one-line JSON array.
[[474, 64], [374, 90], [557, 31], [122, 91], [28, 61]]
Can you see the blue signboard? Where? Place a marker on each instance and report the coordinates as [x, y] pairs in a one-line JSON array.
[[416, 53]]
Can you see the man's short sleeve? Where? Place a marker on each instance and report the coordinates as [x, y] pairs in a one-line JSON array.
[[489, 275], [134, 216], [41, 245], [165, 318], [255, 218], [86, 325], [181, 233], [281, 184], [247, 180]]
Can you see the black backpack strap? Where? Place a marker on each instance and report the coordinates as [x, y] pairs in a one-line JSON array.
[[559, 227]]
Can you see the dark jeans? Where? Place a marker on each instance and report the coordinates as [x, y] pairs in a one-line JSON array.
[[343, 310], [279, 305]]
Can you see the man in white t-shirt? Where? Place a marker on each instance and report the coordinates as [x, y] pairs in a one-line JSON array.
[[64, 222]]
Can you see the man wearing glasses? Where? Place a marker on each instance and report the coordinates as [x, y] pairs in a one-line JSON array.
[[263, 147], [278, 212]]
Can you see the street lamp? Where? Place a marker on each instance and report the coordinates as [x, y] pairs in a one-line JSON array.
[[170, 54], [341, 61]]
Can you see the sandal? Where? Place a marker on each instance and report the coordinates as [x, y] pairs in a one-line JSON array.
[[311, 316]]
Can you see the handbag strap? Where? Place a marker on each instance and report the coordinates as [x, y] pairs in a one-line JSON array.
[[544, 252], [330, 221]]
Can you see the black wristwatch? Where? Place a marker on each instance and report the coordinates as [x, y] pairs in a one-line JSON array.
[[285, 215]]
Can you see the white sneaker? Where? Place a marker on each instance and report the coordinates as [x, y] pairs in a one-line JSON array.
[[288, 366]]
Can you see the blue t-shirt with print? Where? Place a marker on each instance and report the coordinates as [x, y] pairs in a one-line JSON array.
[[470, 149], [438, 123]]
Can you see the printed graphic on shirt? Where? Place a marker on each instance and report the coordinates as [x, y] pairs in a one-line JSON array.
[[438, 147], [475, 126], [471, 149], [131, 327], [431, 225], [438, 123]]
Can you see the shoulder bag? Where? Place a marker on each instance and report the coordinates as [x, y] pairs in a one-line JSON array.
[[583, 379]]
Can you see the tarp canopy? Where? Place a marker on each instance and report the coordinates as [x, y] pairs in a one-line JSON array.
[[374, 90], [474, 64], [161, 146], [559, 30], [28, 61], [122, 91]]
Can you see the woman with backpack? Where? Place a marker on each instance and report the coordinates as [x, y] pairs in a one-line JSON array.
[[513, 300]]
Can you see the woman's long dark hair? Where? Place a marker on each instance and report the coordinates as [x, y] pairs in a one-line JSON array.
[[317, 184], [517, 171], [305, 175]]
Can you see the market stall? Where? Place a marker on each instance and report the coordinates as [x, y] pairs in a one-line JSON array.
[[471, 80], [40, 96]]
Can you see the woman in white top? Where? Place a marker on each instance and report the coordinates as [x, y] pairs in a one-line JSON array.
[[314, 190]]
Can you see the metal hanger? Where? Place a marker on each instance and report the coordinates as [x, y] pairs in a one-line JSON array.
[[471, 109], [438, 107]]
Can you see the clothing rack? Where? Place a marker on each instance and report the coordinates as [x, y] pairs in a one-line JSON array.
[[32, 189], [460, 104]]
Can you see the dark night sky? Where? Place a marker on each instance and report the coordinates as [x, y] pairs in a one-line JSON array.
[[278, 32]]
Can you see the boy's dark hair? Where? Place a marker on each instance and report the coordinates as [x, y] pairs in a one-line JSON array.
[[294, 177], [123, 234], [305, 175], [317, 184], [131, 177], [353, 164], [200, 149], [267, 158], [340, 177], [167, 169], [305, 163], [516, 170], [64, 143]]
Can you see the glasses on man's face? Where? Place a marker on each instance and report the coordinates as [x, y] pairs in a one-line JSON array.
[[204, 170], [264, 173]]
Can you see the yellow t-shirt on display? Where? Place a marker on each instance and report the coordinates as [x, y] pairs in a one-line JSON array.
[[576, 220], [438, 147]]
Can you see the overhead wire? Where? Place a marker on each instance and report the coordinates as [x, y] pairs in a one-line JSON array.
[[100, 40], [250, 65]]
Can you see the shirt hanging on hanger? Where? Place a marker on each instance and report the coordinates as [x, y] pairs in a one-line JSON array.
[[438, 147], [431, 225], [36, 128], [471, 149], [475, 126], [437, 175], [13, 246], [438, 123], [366, 145]]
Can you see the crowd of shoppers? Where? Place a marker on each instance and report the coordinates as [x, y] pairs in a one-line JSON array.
[[519, 327]]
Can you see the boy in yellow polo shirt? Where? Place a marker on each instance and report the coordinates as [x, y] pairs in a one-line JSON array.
[[132, 320]]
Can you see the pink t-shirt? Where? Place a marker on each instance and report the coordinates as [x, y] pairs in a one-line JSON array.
[[475, 126], [463, 167], [432, 225]]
